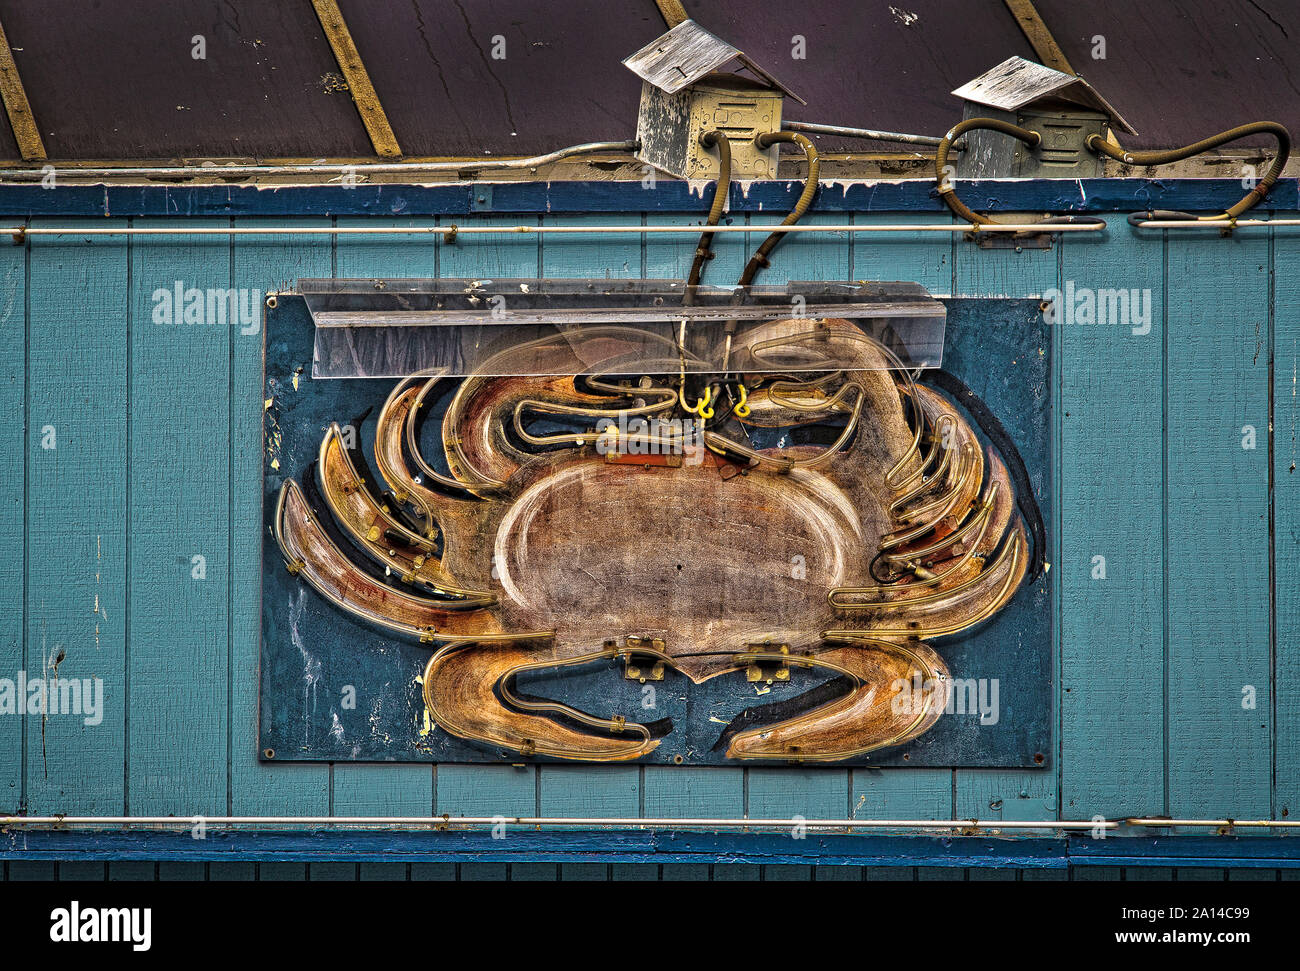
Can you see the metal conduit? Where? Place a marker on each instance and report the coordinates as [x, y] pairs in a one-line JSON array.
[[322, 168], [422, 822], [19, 233]]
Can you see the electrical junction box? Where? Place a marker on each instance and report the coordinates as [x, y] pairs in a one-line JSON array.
[[1062, 154], [685, 94], [1065, 109], [669, 126]]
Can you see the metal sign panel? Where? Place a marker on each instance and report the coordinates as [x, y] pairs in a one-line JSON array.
[[338, 686]]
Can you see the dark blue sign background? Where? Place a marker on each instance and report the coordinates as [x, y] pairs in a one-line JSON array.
[[334, 688]]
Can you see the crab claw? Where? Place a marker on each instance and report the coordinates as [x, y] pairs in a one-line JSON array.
[[466, 683], [900, 691], [534, 377]]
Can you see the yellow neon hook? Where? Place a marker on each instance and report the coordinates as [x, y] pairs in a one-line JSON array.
[[742, 409], [701, 407]]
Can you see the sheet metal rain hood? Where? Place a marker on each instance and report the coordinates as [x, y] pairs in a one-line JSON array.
[[687, 53], [1017, 83]]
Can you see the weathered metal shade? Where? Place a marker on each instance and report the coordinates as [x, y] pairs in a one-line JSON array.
[[687, 53], [1017, 83]]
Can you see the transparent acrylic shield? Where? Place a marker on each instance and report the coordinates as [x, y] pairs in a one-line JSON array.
[[458, 327]]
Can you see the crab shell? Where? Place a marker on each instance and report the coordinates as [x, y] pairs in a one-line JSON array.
[[707, 556]]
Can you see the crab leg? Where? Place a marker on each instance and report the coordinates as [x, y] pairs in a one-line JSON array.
[[460, 518], [309, 553], [991, 520], [412, 413], [376, 531], [485, 404], [465, 683], [960, 608], [887, 439], [957, 440], [880, 711], [388, 452]]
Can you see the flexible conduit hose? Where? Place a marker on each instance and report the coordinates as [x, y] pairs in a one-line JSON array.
[[942, 171], [1252, 198], [703, 251], [759, 259], [804, 203]]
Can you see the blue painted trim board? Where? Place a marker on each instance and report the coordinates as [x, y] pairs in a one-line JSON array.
[[667, 195], [569, 847]]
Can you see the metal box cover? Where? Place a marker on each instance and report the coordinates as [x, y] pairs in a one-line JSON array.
[[669, 126]]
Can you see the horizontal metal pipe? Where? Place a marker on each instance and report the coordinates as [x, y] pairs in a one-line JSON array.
[[1212, 223], [868, 133], [19, 232], [422, 822], [436, 822], [317, 168], [426, 822], [1218, 823]]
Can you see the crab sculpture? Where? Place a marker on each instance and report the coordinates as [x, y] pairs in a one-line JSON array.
[[652, 528]]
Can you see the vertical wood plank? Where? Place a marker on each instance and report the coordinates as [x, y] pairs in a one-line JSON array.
[[486, 790], [578, 790], [493, 872], [803, 256], [384, 789], [668, 256], [282, 872], [821, 792], [1023, 793], [783, 793], [179, 524], [508, 256], [702, 791], [14, 459], [76, 585], [607, 256], [924, 258], [263, 264], [1218, 585], [584, 871], [900, 794], [1112, 608], [1010, 794], [1285, 422]]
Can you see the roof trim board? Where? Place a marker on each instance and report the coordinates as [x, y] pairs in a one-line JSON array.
[[26, 134], [354, 71]]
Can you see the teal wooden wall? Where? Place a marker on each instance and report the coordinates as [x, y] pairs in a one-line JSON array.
[[158, 459]]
